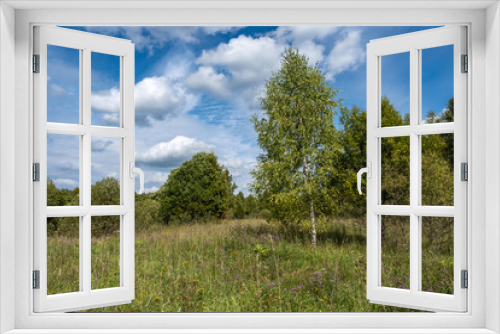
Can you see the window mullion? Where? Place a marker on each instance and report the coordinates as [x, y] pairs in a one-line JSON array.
[[85, 167], [414, 171]]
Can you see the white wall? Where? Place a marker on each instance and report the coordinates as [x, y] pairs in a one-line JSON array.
[[492, 166], [7, 160]]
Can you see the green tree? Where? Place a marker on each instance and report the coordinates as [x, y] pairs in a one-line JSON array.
[[106, 192], [299, 140], [198, 189], [146, 211], [350, 159], [239, 206]]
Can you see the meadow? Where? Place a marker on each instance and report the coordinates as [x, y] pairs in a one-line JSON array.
[[250, 265]]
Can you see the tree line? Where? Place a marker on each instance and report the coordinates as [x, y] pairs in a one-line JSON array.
[[307, 172]]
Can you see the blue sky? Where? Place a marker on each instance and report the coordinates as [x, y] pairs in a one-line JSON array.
[[197, 87]]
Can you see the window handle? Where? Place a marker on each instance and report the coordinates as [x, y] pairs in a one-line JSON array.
[[368, 171], [139, 171]]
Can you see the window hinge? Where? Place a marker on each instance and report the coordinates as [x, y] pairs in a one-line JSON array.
[[36, 172], [36, 63], [36, 279], [465, 279], [465, 64], [464, 172]]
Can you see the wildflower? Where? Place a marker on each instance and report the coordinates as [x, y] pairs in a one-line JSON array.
[[186, 262]]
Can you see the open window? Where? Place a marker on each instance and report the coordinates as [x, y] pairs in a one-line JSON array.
[[416, 209], [75, 139]]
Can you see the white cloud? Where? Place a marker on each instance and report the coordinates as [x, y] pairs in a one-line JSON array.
[[156, 97], [173, 152], [159, 97], [66, 183], [347, 54], [151, 38], [300, 34], [106, 100], [159, 177], [206, 79], [248, 60], [151, 189], [111, 119], [233, 163], [304, 38]]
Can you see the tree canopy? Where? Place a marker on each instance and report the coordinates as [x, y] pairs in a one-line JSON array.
[[197, 190], [299, 140]]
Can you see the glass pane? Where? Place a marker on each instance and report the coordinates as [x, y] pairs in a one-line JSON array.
[[63, 85], [437, 169], [395, 171], [437, 254], [395, 90], [105, 89], [437, 84], [395, 235], [63, 170], [63, 255], [105, 252], [105, 170]]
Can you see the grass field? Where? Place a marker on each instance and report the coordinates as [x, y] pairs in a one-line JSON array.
[[251, 266]]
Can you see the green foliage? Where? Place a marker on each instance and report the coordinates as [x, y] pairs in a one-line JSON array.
[[199, 189], [147, 211], [299, 140], [106, 192], [350, 159]]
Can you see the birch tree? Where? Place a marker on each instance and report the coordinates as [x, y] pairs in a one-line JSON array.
[[299, 140]]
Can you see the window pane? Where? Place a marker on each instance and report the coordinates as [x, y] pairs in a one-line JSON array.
[[63, 85], [63, 170], [63, 255], [395, 171], [437, 169], [105, 252], [437, 84], [437, 254], [105, 170], [395, 234], [395, 90], [105, 89]]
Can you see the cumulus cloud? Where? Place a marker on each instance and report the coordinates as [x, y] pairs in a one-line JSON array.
[[347, 54], [300, 34], [151, 38], [106, 100], [248, 60], [173, 152], [233, 163], [206, 79], [159, 177], [156, 97]]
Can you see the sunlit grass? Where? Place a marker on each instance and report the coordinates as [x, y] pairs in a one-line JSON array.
[[242, 266]]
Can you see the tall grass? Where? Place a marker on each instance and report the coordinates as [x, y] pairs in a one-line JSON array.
[[241, 266]]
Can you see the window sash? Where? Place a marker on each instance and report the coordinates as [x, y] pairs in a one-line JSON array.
[[413, 43], [85, 298]]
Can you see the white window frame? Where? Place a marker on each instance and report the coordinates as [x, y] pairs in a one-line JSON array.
[[414, 44], [483, 21], [86, 44]]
